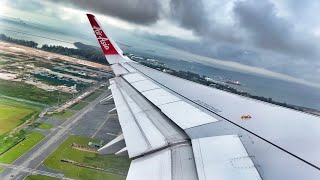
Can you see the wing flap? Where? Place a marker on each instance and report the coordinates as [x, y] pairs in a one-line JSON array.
[[156, 166], [169, 164], [144, 128], [223, 157], [134, 138]]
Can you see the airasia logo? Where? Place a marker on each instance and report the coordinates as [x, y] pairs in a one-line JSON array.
[[103, 40]]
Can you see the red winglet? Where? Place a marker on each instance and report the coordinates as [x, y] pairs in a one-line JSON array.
[[106, 45]]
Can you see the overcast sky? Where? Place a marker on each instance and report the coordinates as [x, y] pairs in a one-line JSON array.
[[278, 38]]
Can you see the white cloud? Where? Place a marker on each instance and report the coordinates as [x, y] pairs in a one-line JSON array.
[[3, 8]]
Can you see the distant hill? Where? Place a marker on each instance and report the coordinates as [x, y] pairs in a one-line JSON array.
[[80, 45], [83, 51]]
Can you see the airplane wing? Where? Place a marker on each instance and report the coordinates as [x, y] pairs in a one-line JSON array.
[[177, 129]]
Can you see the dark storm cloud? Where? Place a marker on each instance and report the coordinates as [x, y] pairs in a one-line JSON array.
[[269, 31], [135, 11], [191, 15]]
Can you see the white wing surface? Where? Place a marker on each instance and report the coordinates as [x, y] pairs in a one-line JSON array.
[[178, 129]]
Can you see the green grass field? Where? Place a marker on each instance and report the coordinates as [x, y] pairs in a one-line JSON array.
[[93, 96], [1, 168], [42, 125], [13, 113], [9, 140], [120, 164], [63, 114], [11, 116], [5, 62], [39, 177], [32, 139], [45, 126], [32, 93], [80, 105], [8, 55]]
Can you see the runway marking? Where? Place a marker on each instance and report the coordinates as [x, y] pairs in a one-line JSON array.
[[112, 134], [112, 110], [100, 126]]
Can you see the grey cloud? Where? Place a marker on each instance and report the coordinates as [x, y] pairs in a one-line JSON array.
[[304, 10], [304, 13], [135, 11], [32, 5], [189, 14], [269, 31], [272, 60], [266, 39], [209, 49], [192, 15]]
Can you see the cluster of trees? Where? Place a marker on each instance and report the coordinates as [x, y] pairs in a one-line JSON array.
[[86, 52], [18, 41]]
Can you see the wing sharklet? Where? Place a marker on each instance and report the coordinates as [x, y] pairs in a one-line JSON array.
[[109, 47]]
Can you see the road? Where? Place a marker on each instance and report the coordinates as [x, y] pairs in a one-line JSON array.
[[35, 156]]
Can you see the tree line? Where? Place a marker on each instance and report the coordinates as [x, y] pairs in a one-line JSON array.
[[18, 41], [83, 51]]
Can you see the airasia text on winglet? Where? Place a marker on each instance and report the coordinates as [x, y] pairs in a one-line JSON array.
[[103, 40]]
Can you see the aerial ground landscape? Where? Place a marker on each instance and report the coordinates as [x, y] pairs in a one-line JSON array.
[[179, 93], [42, 95]]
